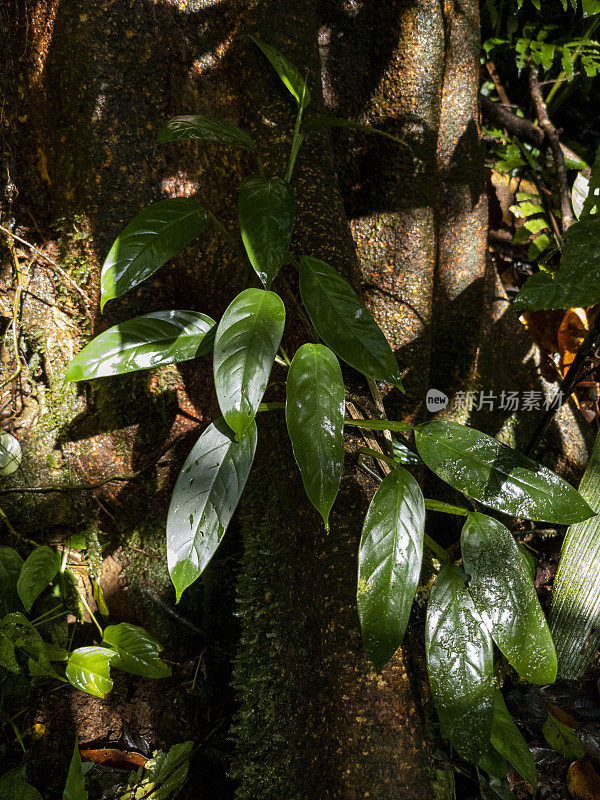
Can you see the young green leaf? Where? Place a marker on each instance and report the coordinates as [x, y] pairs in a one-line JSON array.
[[246, 343], [508, 741], [38, 571], [577, 281], [75, 786], [344, 323], [266, 215], [389, 563], [195, 126], [314, 413], [459, 664], [11, 564], [497, 475], [206, 493], [287, 72], [88, 669], [162, 337], [10, 454], [503, 592], [149, 241], [136, 651]]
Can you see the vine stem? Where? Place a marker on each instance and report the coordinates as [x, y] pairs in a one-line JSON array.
[[90, 612]]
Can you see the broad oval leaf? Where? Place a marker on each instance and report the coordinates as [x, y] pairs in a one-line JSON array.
[[195, 126], [75, 786], [389, 563], [497, 475], [344, 323], [11, 564], [266, 215], [157, 234], [508, 741], [162, 337], [503, 592], [459, 664], [206, 494], [14, 786], [314, 413], [10, 454], [246, 343], [88, 669], [137, 652], [38, 571], [287, 72]]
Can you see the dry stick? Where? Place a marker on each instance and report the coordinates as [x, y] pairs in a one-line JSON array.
[[491, 68], [53, 263], [554, 143]]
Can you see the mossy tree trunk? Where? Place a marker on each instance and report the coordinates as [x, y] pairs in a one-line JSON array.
[[90, 86]]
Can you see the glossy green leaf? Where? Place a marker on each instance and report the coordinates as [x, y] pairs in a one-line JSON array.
[[75, 786], [38, 669], [503, 592], [266, 215], [162, 775], [493, 763], [162, 337], [88, 669], [314, 413], [497, 475], [246, 344], [459, 664], [562, 738], [508, 741], [38, 571], [26, 638], [206, 494], [344, 323], [10, 454], [8, 659], [14, 786], [149, 241], [577, 281], [11, 564], [287, 72], [137, 652], [195, 126], [389, 563]]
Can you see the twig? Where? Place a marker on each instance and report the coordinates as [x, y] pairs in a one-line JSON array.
[[493, 72], [53, 263], [554, 144]]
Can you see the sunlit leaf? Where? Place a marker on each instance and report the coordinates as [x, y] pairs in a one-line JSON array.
[[287, 72], [10, 454], [195, 126], [88, 669], [459, 664], [314, 413], [162, 775], [38, 571], [497, 475], [137, 652], [149, 241], [161, 337], [206, 494], [503, 592], [344, 323], [245, 347], [266, 216], [389, 563], [75, 786]]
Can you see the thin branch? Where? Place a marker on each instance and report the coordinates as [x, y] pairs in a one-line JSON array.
[[53, 263], [493, 72], [554, 144]]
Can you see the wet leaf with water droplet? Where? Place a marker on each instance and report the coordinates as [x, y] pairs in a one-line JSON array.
[[497, 475], [389, 563], [206, 494], [460, 664], [503, 592]]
